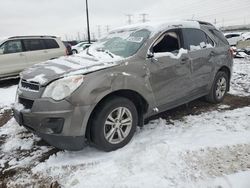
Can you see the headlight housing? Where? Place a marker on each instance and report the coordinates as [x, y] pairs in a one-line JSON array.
[[62, 88]]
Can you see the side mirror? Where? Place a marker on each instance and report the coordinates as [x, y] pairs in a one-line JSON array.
[[203, 45], [150, 55], [1, 51]]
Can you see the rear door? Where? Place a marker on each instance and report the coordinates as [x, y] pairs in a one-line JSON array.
[[35, 51], [201, 52], [52, 49], [169, 70], [13, 59]]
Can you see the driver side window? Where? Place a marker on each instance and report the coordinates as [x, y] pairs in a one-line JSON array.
[[10, 47], [169, 42]]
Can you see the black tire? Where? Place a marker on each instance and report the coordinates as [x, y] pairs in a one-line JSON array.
[[101, 114], [212, 96], [74, 52]]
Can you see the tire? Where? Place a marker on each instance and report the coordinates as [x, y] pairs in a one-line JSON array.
[[219, 88], [74, 52], [107, 131]]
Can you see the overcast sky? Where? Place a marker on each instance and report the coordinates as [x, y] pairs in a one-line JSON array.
[[67, 17]]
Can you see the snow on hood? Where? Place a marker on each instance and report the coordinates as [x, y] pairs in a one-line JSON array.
[[82, 63]]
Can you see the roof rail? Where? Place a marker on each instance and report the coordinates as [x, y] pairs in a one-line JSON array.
[[30, 36], [202, 22]]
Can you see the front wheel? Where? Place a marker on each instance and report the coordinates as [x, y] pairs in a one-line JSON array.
[[219, 88], [114, 123]]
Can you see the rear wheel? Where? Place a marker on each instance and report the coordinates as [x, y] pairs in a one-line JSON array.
[[114, 123], [219, 88]]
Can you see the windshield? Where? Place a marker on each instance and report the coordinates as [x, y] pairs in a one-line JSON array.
[[123, 43]]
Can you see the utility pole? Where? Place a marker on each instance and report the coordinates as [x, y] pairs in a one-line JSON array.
[[144, 17], [107, 28], [99, 31], [88, 29], [129, 18]]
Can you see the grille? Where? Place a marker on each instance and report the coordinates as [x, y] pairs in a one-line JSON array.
[[31, 86], [26, 103]]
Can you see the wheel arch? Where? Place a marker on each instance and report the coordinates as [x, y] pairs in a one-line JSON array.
[[139, 101]]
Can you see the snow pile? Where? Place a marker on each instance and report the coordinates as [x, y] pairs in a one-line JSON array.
[[181, 52], [7, 95], [155, 157], [240, 82]]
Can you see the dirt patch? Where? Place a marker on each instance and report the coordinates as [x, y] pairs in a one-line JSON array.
[[199, 106], [5, 116], [214, 162]]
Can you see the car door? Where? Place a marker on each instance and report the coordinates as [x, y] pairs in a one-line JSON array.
[[201, 52], [169, 69], [12, 58]]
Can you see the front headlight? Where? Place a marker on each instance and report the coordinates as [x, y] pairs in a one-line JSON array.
[[62, 88]]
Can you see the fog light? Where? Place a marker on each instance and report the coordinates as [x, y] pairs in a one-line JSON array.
[[53, 125]]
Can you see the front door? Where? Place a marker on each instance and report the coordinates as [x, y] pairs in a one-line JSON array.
[[12, 58], [169, 70]]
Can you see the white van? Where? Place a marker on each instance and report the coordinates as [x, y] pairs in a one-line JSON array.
[[18, 53]]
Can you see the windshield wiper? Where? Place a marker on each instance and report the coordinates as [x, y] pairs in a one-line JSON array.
[[105, 51]]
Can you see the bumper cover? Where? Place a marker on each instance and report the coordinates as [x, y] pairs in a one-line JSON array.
[[71, 134]]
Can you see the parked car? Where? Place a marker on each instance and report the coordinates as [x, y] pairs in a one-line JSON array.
[[101, 95], [246, 36], [80, 47], [18, 53], [233, 38], [243, 49]]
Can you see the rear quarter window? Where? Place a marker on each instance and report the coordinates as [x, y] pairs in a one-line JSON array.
[[220, 38], [50, 44]]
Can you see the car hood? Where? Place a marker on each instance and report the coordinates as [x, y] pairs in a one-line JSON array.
[[48, 71]]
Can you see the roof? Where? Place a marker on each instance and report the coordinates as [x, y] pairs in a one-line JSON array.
[[159, 26]]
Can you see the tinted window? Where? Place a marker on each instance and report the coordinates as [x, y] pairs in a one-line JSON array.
[[14, 46], [195, 37], [33, 44], [169, 42], [219, 36], [50, 43]]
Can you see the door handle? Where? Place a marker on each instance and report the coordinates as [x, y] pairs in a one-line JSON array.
[[212, 53], [184, 60]]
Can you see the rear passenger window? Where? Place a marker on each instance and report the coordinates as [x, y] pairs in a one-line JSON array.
[[196, 39], [50, 44], [33, 44]]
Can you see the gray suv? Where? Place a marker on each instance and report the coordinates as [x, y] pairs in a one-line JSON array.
[[100, 95]]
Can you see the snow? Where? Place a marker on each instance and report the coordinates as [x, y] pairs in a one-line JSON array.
[[171, 55], [154, 158], [240, 82], [157, 27], [8, 95], [39, 79]]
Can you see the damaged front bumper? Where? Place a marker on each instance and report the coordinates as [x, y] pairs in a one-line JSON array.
[[58, 123]]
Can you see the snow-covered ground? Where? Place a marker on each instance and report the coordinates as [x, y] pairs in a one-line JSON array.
[[211, 149]]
